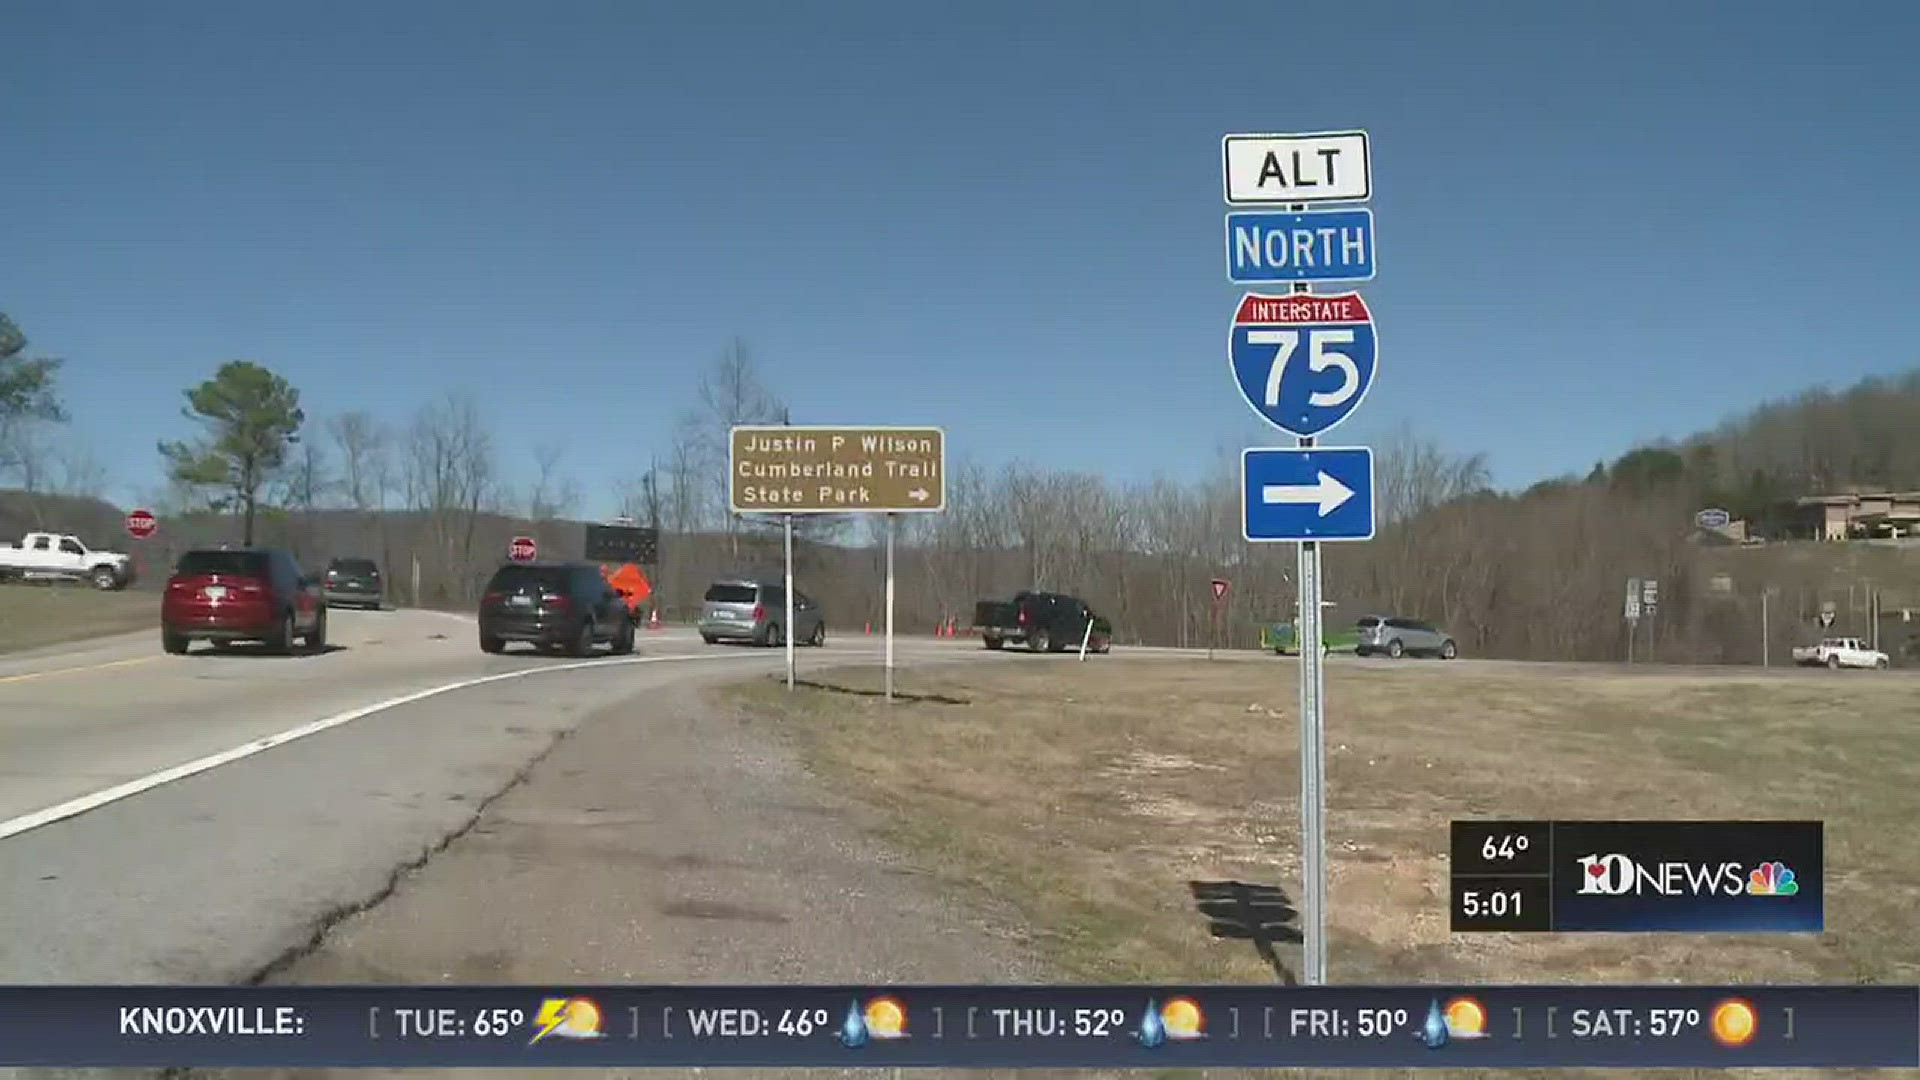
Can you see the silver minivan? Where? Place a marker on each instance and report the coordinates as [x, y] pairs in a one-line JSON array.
[[1401, 637], [742, 610]]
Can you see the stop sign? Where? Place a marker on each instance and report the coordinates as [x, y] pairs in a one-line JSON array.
[[141, 524], [522, 549]]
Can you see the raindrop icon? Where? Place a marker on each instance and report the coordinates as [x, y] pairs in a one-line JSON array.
[[853, 1030], [1434, 1031], [1152, 1032]]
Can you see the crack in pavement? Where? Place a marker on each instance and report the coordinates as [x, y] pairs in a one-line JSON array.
[[327, 922]]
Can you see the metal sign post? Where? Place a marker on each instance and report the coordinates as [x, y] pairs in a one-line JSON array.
[[1650, 601], [1313, 726], [1632, 614], [890, 531], [786, 636], [1219, 587], [1764, 643], [1304, 495], [1313, 825]]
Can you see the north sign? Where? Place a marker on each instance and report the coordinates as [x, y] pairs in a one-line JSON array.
[[1327, 166], [1301, 493], [837, 470], [1309, 245], [1303, 361]]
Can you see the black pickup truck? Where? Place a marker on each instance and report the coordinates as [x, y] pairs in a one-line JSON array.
[[1044, 622]]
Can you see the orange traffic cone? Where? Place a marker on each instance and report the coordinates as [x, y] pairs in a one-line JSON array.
[[869, 627], [653, 621]]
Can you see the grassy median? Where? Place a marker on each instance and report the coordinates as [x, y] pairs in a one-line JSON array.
[[1093, 795], [34, 615]]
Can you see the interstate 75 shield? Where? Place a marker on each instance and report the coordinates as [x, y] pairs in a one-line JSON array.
[[1303, 361]]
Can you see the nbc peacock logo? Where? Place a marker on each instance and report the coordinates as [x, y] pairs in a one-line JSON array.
[[1772, 879]]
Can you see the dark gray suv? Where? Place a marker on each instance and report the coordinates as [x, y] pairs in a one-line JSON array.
[[568, 607], [353, 581]]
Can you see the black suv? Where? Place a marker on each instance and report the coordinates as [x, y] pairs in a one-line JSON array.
[[557, 606]]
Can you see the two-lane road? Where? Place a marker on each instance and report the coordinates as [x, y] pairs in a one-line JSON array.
[[199, 818]]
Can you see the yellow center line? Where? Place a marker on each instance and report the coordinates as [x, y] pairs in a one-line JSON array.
[[24, 676]]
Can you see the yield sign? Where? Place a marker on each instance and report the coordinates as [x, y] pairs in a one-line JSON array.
[[1220, 587]]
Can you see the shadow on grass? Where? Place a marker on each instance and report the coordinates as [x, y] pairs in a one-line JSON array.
[[1261, 914], [898, 694]]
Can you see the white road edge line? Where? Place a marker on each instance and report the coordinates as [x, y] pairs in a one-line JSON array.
[[75, 807]]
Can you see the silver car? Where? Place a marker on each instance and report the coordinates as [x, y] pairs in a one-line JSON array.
[[741, 610], [1402, 637]]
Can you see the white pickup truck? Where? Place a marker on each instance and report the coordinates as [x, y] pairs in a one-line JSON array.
[[52, 557], [1839, 652]]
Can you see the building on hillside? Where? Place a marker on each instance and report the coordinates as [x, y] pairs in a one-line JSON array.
[[1851, 516], [1732, 534]]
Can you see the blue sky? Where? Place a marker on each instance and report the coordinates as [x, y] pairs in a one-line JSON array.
[[1597, 225]]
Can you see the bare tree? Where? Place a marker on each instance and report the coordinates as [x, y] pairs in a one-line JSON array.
[[450, 475], [689, 493], [26, 454], [308, 483], [641, 499], [365, 470], [553, 494], [731, 394], [80, 473]]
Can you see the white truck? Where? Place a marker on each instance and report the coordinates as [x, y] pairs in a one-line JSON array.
[[1839, 652], [53, 557]]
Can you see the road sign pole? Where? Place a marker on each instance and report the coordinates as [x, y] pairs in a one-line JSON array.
[[1312, 787], [1307, 495], [890, 530], [1313, 833], [786, 635]]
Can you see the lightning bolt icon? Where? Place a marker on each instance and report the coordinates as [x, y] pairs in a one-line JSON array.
[[553, 1013]]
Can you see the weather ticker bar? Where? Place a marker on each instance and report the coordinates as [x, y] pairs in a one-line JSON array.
[[1485, 1027]]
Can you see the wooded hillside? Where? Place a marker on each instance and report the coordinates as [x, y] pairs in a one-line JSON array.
[[1536, 574]]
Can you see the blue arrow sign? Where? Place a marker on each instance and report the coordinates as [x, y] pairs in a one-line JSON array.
[[1303, 361], [1317, 493], [1314, 245]]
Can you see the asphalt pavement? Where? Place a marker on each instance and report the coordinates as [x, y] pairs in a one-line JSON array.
[[198, 819]]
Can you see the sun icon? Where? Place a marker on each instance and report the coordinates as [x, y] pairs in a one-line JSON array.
[[583, 1017], [886, 1018], [1182, 1019], [1733, 1023], [1466, 1018]]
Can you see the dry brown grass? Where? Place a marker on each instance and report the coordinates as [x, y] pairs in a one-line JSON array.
[[1089, 795], [35, 615]]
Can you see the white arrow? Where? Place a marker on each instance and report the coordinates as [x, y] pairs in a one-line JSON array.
[[918, 494], [1331, 494]]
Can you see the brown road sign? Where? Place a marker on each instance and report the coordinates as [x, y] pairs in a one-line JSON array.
[[837, 470]]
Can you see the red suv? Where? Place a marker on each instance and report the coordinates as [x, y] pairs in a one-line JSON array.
[[224, 595]]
